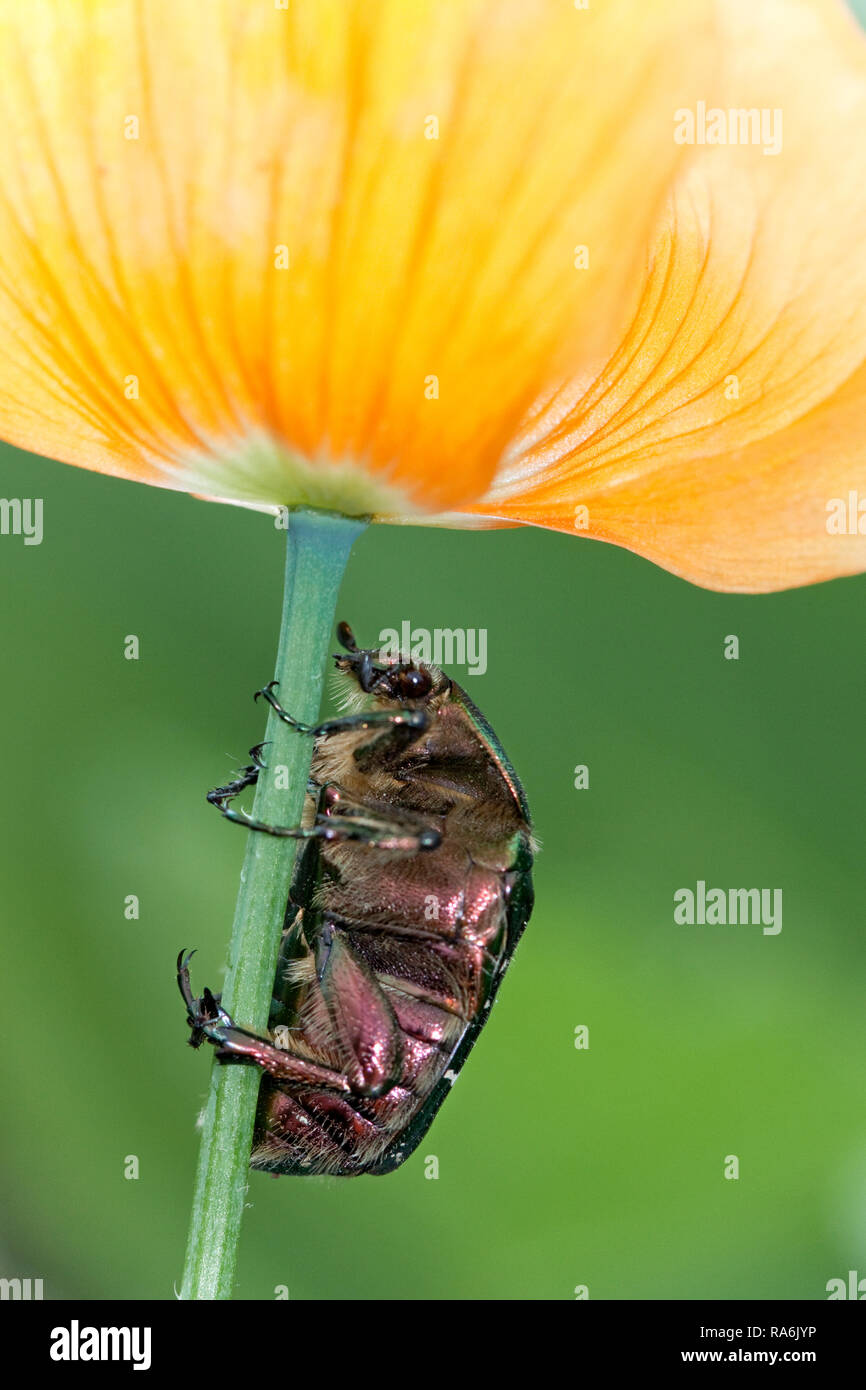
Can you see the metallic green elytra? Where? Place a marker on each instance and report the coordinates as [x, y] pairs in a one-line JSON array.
[[407, 902]]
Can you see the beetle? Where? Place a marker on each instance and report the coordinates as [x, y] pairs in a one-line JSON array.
[[405, 907]]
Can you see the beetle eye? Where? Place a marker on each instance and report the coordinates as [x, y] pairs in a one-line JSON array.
[[414, 683]]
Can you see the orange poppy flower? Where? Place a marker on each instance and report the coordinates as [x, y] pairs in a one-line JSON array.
[[484, 262]]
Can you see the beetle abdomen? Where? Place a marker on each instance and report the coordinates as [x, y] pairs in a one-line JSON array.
[[405, 907], [422, 942], [433, 978]]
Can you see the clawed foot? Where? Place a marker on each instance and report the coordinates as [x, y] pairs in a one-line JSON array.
[[204, 1012]]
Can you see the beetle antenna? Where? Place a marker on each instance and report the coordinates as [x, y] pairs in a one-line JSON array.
[[346, 637]]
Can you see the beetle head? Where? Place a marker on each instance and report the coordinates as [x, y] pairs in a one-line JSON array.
[[384, 676]]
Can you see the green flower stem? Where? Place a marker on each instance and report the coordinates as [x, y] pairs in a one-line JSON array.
[[318, 548]]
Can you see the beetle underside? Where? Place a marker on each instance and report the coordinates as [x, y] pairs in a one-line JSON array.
[[406, 904]]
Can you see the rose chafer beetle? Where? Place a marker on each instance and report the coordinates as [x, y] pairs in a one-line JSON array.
[[406, 904]]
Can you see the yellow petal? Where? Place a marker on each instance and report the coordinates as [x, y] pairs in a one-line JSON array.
[[734, 411], [323, 253]]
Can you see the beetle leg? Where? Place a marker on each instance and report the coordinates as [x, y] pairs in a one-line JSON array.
[[210, 1022], [412, 721], [363, 828], [399, 730], [247, 777], [338, 820], [405, 725], [393, 828], [267, 693], [201, 1013], [365, 1026]]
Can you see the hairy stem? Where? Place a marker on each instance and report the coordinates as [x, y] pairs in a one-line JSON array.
[[318, 548]]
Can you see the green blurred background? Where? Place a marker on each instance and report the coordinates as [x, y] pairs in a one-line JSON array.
[[558, 1167]]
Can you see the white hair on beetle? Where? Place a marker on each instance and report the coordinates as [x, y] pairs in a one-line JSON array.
[[347, 693]]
